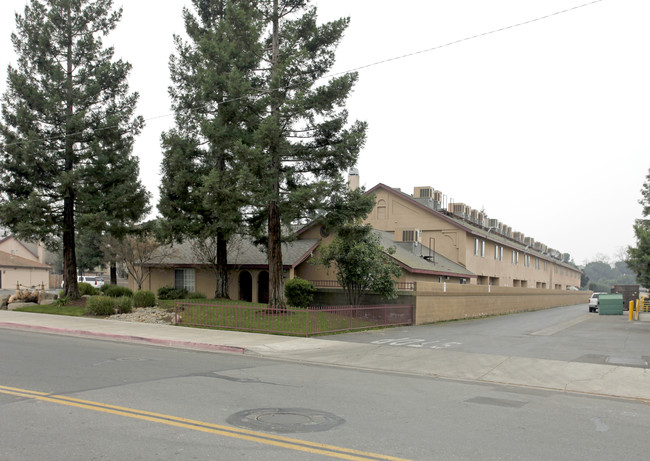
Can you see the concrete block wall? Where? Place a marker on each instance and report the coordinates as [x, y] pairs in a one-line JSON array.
[[436, 302]]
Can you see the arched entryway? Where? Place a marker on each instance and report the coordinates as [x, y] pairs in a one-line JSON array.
[[263, 287], [245, 286]]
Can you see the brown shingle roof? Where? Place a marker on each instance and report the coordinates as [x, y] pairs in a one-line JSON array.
[[13, 261], [413, 262], [243, 252]]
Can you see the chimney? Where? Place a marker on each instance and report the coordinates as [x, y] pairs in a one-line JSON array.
[[40, 249], [353, 179]]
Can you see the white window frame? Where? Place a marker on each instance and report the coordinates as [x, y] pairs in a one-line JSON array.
[[189, 279]]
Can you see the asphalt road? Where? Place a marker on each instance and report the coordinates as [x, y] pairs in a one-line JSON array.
[[64, 398], [565, 333]]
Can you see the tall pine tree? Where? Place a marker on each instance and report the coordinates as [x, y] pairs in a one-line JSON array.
[[213, 76], [68, 129], [303, 144]]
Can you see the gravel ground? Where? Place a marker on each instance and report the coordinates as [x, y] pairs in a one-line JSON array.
[[146, 315]]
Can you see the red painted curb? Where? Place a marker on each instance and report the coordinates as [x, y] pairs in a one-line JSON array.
[[128, 338]]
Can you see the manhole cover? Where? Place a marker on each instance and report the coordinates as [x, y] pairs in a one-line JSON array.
[[285, 420]]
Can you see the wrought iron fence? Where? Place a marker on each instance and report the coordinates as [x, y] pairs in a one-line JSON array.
[[290, 321]]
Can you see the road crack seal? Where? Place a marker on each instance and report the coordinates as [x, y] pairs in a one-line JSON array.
[[480, 378]]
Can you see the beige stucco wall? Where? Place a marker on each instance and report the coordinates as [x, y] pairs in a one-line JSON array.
[[437, 302], [553, 275], [25, 277], [394, 213], [13, 247], [204, 281]]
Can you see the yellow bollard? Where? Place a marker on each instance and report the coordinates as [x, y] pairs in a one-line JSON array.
[[631, 308]]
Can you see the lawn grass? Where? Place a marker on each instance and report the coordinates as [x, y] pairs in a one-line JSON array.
[[72, 310], [224, 314], [241, 315]]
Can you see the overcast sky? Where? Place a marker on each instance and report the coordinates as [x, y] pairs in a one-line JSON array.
[[545, 125]]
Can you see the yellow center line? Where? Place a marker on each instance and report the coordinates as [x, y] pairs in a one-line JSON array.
[[226, 431]]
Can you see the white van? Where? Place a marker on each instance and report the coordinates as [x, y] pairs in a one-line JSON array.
[[95, 281]]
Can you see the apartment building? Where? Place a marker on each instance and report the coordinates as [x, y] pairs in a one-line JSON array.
[[490, 250]]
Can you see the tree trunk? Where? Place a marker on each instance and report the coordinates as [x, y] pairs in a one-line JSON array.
[[276, 292], [221, 291], [71, 289], [113, 273]]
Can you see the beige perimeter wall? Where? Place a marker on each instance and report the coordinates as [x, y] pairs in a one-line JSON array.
[[436, 302]]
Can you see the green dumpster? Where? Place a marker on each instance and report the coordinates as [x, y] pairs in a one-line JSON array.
[[610, 304]]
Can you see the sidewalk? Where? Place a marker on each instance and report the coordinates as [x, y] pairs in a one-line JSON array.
[[595, 379]]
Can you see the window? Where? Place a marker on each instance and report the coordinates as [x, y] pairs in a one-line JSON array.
[[500, 253], [496, 252], [475, 247], [381, 209], [483, 248], [184, 278]]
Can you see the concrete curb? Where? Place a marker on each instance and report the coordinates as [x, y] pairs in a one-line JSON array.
[[126, 338]]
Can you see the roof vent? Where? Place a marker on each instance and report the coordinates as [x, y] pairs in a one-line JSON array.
[[423, 192]]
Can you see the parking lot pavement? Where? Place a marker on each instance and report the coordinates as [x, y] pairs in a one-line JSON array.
[[570, 334]]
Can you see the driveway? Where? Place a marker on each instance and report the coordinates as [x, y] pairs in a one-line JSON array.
[[568, 333]]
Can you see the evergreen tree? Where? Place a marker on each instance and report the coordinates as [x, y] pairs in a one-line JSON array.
[[89, 251], [639, 256], [68, 129], [303, 143], [213, 79], [362, 265]]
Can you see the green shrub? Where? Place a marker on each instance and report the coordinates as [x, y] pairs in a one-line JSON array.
[[299, 292], [172, 293], [123, 304], [196, 295], [100, 305], [86, 288], [61, 301], [144, 298], [115, 291]]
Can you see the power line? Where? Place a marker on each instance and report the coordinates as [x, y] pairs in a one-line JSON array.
[[356, 69], [456, 42]]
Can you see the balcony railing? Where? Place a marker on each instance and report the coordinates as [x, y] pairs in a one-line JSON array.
[[402, 286]]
